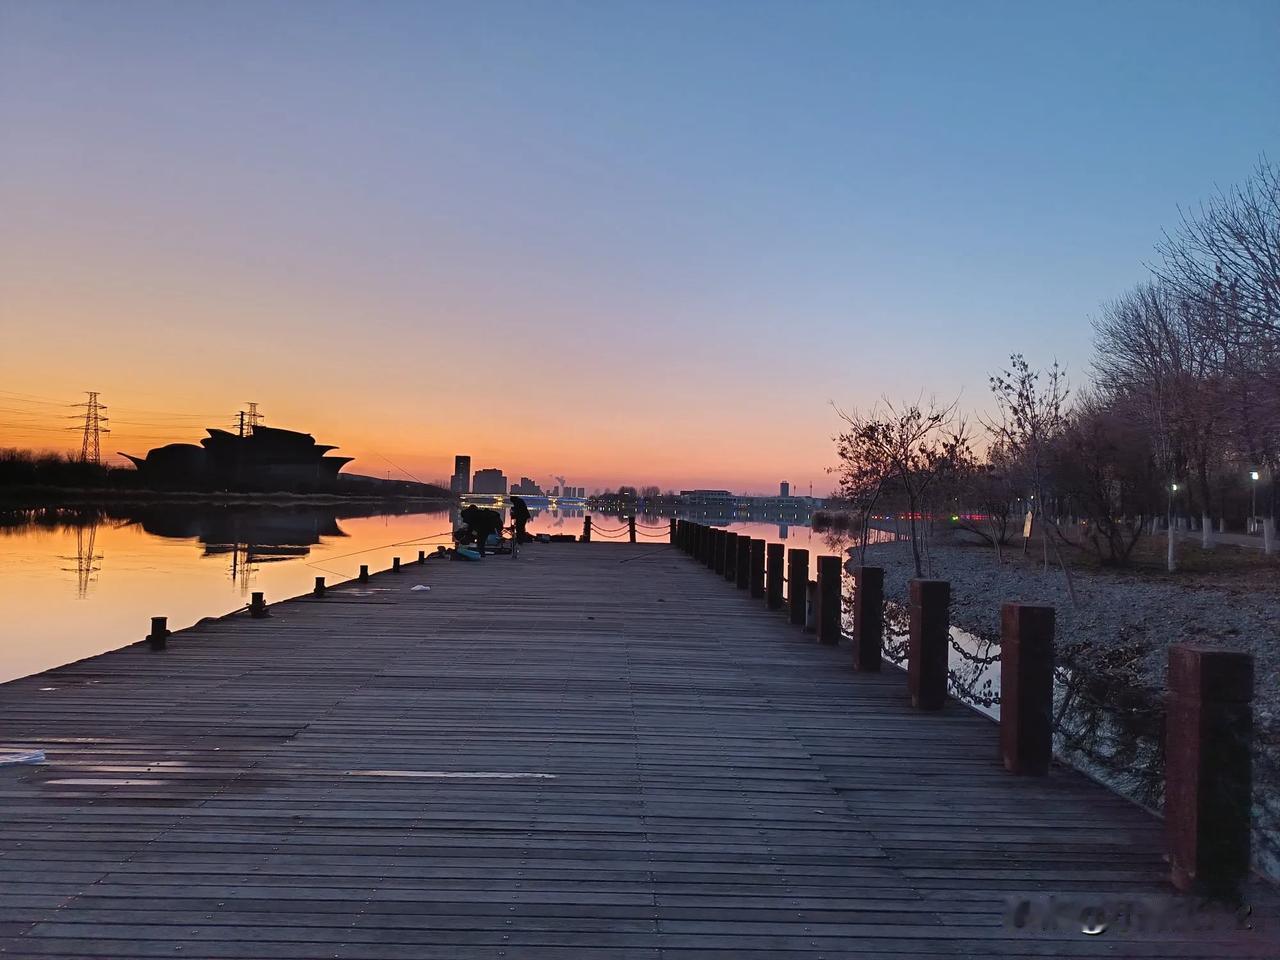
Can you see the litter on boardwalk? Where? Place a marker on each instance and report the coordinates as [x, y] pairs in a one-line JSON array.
[[24, 756]]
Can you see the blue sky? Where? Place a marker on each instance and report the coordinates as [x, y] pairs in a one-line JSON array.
[[690, 223]]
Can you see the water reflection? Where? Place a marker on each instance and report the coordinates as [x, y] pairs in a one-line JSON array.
[[77, 581]]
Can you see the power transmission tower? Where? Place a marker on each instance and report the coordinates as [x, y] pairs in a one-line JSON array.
[[254, 418], [94, 427]]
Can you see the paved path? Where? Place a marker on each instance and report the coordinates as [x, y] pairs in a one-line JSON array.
[[596, 751]]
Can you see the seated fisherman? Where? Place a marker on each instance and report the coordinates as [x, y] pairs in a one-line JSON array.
[[520, 518], [481, 522]]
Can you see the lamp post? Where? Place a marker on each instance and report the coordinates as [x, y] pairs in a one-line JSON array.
[[1171, 562], [1253, 507]]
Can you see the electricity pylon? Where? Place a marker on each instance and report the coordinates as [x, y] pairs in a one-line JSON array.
[[94, 427]]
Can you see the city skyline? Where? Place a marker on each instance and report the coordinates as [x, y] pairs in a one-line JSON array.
[[638, 243]]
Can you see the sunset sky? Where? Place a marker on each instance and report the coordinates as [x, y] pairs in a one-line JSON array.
[[622, 242]]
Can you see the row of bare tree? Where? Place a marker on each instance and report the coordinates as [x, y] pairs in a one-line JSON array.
[[1179, 426]]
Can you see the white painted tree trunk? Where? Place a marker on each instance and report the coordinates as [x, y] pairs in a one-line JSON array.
[[1206, 532], [1172, 560], [1269, 535]]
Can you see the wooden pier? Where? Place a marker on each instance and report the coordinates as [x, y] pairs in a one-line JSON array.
[[596, 751]]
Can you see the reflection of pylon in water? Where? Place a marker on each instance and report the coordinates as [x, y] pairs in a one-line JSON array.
[[242, 569], [86, 559]]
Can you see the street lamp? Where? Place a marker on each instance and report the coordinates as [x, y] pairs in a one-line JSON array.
[[1253, 508]]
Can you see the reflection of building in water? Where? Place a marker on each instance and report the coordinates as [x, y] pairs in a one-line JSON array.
[[725, 506], [783, 530]]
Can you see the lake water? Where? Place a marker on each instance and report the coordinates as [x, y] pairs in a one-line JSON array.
[[75, 582]]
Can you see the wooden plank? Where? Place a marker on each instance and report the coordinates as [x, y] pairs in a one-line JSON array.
[[597, 750]]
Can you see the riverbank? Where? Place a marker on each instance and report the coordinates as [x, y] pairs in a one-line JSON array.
[[1122, 621], [19, 497]]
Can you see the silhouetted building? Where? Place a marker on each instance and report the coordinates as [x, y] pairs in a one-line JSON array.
[[527, 488], [489, 480], [267, 459], [784, 489], [460, 482]]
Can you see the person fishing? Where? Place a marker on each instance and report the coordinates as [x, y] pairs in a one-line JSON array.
[[480, 523], [520, 518]]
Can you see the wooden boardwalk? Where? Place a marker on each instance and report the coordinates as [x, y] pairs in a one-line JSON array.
[[594, 751]]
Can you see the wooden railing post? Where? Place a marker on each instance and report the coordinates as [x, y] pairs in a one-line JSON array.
[[319, 590], [158, 638], [742, 566], [422, 556], [829, 590], [1026, 688], [586, 529], [364, 573], [713, 547], [257, 605], [722, 551], [395, 564], [731, 557], [757, 568], [1208, 767], [929, 643], [797, 584], [774, 576], [868, 618], [631, 527], [675, 536]]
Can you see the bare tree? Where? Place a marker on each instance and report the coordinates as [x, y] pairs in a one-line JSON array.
[[1226, 257], [1233, 241], [990, 491], [1161, 354], [1029, 419], [910, 447]]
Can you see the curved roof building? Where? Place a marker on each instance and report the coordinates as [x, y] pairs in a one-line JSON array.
[[266, 459]]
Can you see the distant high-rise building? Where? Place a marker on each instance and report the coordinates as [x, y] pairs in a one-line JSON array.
[[784, 489], [489, 480], [460, 482], [527, 488]]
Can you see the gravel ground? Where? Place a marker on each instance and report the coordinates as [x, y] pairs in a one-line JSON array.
[[1114, 611]]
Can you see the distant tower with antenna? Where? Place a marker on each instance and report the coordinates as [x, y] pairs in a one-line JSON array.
[[95, 425]]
